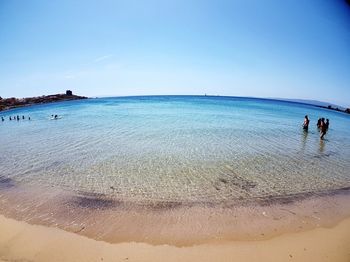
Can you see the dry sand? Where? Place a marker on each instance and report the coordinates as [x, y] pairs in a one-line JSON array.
[[20, 241]]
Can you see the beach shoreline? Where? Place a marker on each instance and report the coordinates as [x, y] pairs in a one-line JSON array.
[[146, 175], [178, 224], [20, 241]]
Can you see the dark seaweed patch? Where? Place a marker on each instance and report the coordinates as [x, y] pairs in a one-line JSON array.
[[236, 181], [243, 183], [283, 200], [291, 198], [6, 182], [338, 191], [94, 201], [164, 205]]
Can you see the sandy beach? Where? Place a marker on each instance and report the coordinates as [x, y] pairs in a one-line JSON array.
[[20, 241]]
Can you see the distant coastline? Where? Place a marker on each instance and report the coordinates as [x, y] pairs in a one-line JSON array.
[[347, 110], [10, 103], [315, 103]]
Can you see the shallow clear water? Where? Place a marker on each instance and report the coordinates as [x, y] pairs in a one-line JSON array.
[[176, 148]]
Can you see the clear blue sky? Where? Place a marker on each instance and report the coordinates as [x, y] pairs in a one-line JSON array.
[[291, 49]]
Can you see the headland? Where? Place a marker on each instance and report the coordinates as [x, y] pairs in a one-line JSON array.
[[9, 103]]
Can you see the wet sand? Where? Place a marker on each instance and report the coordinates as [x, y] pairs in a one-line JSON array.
[[48, 224], [172, 223], [20, 241]]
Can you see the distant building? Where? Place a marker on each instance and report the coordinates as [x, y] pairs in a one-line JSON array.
[[69, 93]]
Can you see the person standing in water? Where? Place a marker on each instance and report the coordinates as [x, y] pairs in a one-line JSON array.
[[327, 124], [306, 123], [319, 123], [323, 129]]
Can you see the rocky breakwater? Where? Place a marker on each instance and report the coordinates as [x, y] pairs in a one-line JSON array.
[[8, 103]]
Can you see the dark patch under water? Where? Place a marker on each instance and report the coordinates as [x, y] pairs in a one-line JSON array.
[[164, 205], [94, 201], [283, 200], [291, 198], [6, 182], [234, 180], [102, 202]]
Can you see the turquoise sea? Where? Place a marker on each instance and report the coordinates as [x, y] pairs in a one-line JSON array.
[[176, 148]]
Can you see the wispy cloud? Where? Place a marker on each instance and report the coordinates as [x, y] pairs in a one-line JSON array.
[[101, 58]]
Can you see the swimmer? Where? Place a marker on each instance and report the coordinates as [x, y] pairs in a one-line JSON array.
[[323, 129], [319, 123], [327, 123], [306, 123]]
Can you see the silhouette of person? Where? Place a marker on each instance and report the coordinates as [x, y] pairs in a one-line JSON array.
[[319, 123], [323, 129], [306, 123], [327, 123]]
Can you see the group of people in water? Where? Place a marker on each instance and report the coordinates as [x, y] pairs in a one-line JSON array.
[[15, 118], [322, 125]]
